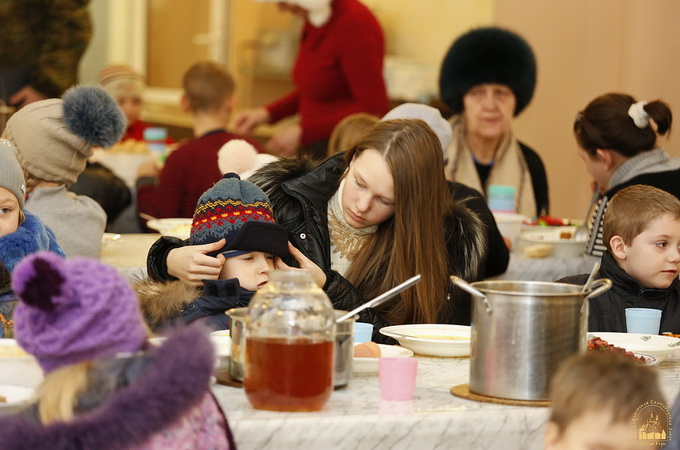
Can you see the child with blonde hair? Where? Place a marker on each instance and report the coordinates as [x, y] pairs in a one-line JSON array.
[[104, 387], [641, 232]]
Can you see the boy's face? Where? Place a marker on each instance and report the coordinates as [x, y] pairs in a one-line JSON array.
[[593, 430], [131, 105], [653, 258], [9, 212], [251, 269]]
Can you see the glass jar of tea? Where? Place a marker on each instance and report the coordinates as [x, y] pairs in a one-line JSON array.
[[290, 334]]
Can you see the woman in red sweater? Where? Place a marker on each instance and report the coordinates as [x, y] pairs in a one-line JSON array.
[[338, 71]]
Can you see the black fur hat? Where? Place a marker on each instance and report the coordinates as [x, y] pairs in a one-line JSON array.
[[488, 55]]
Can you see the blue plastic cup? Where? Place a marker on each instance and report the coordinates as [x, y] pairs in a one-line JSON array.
[[363, 332], [643, 320]]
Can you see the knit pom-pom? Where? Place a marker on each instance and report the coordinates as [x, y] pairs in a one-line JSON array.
[[236, 156], [93, 115], [37, 279]]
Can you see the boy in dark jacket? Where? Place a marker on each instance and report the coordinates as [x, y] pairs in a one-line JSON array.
[[239, 212], [641, 231]]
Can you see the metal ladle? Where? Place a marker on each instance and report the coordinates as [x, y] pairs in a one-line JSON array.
[[381, 298]]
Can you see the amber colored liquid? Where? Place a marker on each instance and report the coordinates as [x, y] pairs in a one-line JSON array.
[[288, 375]]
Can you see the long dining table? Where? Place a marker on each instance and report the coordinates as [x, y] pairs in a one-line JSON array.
[[357, 418]]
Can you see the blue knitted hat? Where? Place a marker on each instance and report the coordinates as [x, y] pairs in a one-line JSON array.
[[240, 212]]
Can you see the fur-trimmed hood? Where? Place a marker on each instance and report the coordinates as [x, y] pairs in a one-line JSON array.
[[176, 379], [163, 302]]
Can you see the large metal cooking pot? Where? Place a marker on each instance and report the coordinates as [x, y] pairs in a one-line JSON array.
[[522, 331]]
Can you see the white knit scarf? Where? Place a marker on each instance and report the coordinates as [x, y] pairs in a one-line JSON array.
[[509, 168], [346, 241]]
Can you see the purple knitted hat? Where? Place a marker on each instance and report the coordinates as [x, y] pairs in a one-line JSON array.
[[74, 310]]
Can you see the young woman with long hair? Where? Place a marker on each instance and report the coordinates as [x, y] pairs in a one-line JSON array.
[[365, 221]]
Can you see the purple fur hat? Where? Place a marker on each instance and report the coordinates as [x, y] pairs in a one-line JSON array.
[[74, 310]]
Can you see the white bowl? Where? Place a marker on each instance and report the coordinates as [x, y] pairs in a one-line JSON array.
[[509, 225], [369, 366], [177, 227], [16, 397], [432, 339], [220, 339], [18, 367], [558, 247]]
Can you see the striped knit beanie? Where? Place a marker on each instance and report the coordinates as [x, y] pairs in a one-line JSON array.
[[240, 212]]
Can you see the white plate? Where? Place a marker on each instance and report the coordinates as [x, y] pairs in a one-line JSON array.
[[560, 247], [177, 227], [655, 345], [369, 366], [432, 340], [16, 396]]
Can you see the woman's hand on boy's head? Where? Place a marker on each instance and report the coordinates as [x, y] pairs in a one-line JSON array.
[[192, 265], [305, 264]]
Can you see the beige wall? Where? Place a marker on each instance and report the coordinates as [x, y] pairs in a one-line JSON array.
[[586, 49]]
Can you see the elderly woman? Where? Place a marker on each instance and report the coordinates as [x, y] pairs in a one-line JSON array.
[[487, 78]]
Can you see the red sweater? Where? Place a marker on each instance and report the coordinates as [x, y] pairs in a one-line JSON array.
[[189, 171], [338, 71]]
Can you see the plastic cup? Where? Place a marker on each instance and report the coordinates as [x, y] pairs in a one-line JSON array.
[[363, 332], [397, 378], [643, 320]]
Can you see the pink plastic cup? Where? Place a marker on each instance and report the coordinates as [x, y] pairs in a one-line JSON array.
[[397, 378]]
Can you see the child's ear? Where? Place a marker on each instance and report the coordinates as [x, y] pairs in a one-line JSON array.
[[618, 247], [184, 104], [551, 436]]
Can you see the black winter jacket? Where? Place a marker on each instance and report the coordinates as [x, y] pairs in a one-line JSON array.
[[608, 310]]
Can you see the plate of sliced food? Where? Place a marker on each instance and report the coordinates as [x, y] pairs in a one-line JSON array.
[[367, 354], [178, 227], [657, 346]]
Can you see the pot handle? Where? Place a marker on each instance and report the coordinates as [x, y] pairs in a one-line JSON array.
[[604, 285], [464, 285]]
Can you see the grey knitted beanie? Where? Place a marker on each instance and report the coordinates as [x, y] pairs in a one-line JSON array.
[[54, 137], [11, 175]]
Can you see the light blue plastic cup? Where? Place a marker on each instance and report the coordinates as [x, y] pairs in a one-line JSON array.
[[643, 320], [362, 332]]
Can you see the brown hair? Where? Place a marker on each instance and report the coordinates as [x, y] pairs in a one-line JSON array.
[[413, 240], [207, 86], [605, 124], [349, 131], [599, 381], [631, 210]]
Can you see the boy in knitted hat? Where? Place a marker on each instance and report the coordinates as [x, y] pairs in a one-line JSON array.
[[239, 213], [104, 387], [21, 233], [54, 138]]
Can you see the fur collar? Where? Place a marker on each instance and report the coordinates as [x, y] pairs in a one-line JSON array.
[[176, 379], [162, 302], [31, 236]]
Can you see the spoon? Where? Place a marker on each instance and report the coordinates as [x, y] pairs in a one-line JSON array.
[[593, 272], [381, 298]]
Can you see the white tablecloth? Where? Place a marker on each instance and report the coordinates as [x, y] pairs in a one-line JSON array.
[[357, 418]]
